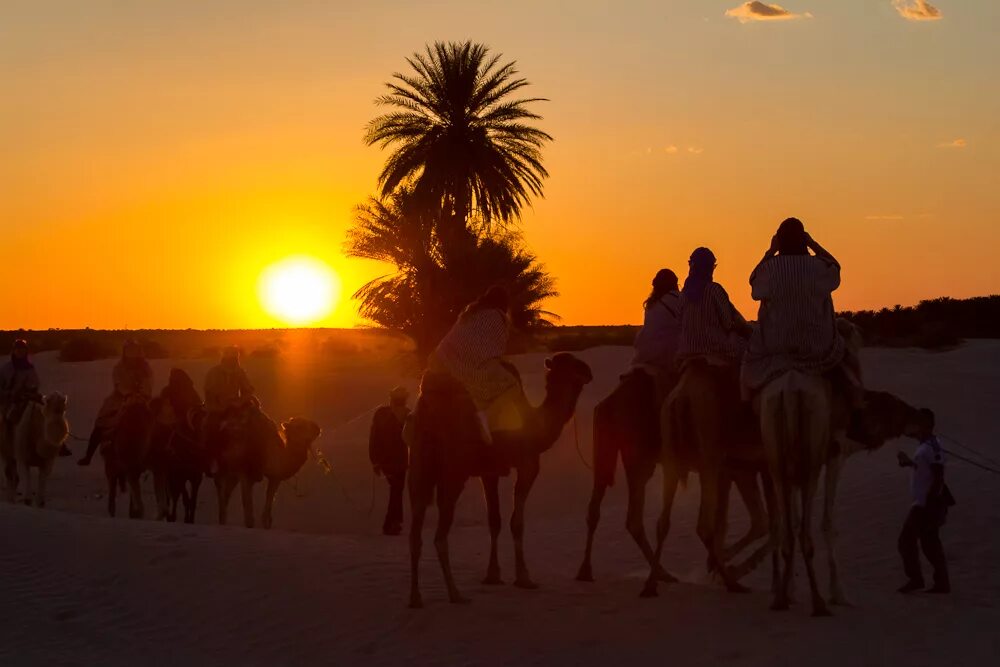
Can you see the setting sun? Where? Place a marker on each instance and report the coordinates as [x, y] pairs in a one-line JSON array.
[[299, 290]]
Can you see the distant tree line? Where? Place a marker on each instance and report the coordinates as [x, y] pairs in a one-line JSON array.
[[933, 323]]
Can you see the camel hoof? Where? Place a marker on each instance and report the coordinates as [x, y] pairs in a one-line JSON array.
[[266, 523], [41, 504], [649, 591], [526, 584], [493, 580], [585, 575], [27, 502]]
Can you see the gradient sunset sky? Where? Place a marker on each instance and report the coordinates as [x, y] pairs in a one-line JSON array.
[[158, 155]]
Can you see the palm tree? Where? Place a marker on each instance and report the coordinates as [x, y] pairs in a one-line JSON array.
[[459, 136], [428, 289]]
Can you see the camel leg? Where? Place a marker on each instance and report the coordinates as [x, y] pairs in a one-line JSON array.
[[809, 548], [526, 476], [833, 470], [586, 572], [162, 492], [10, 473], [112, 494], [671, 479], [491, 489], [224, 484], [43, 477], [419, 500], [635, 521], [446, 516], [135, 508], [24, 472], [272, 489], [191, 501], [746, 484], [713, 519], [749, 564], [789, 521], [246, 491]]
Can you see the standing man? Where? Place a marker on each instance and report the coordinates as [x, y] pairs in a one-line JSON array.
[[388, 454], [931, 500]]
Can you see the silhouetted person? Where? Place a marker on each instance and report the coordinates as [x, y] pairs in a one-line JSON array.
[[132, 379], [656, 343], [19, 384], [389, 456], [472, 353], [931, 500], [712, 330], [180, 392], [796, 325], [227, 392]]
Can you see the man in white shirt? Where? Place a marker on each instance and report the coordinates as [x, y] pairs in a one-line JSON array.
[[927, 514]]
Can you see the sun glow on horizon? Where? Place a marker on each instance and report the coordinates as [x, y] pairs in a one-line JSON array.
[[299, 290]]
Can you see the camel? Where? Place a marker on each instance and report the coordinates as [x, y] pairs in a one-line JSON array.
[[178, 462], [795, 418], [126, 454], [38, 436], [446, 450], [254, 448], [622, 428], [707, 431]]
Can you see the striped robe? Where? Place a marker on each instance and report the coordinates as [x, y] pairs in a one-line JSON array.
[[472, 353], [796, 326], [710, 329]]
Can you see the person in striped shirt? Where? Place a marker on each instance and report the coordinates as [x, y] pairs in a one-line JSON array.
[[712, 330], [472, 353], [796, 326]]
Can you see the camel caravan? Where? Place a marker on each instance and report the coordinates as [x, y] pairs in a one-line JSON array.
[[175, 437], [770, 408]]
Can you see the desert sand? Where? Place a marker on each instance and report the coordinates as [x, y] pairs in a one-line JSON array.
[[78, 588]]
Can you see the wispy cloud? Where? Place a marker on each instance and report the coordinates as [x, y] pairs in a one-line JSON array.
[[956, 143], [761, 11], [884, 217], [670, 150], [695, 150], [917, 10]]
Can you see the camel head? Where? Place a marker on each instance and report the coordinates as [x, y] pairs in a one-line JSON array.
[[300, 432], [883, 417], [55, 404], [565, 378]]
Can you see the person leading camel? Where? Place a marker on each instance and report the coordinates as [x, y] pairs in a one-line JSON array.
[[132, 377], [227, 391], [388, 455], [931, 500]]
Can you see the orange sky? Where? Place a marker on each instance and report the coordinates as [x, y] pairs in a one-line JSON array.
[[158, 155]]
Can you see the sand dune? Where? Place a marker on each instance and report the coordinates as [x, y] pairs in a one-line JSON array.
[[77, 588]]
